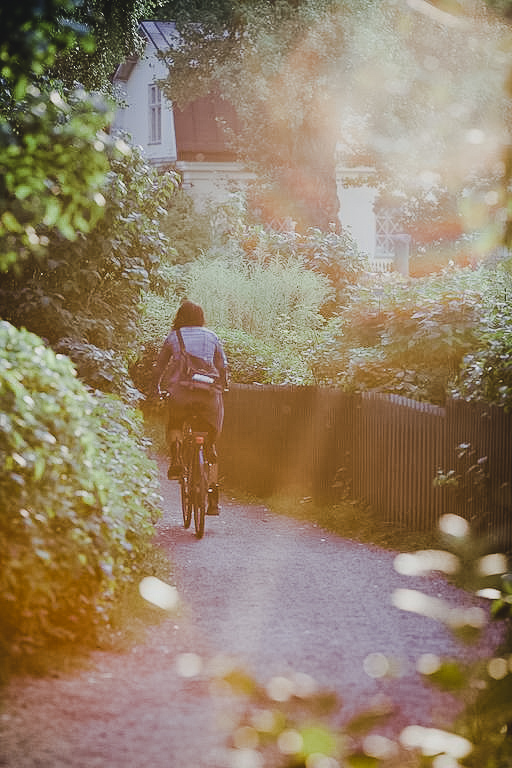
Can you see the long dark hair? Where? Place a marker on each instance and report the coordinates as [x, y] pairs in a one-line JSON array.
[[188, 314]]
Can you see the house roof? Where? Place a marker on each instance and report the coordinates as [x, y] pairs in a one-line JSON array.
[[163, 34]]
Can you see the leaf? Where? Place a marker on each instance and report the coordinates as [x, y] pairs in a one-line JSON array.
[[52, 211], [39, 468], [361, 760], [10, 222], [450, 676]]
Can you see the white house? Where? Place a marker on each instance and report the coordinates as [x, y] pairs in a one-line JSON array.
[[192, 141]]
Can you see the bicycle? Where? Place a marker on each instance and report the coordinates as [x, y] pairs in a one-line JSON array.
[[194, 480]]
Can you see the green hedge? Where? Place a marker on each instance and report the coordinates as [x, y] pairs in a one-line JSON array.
[[78, 498]]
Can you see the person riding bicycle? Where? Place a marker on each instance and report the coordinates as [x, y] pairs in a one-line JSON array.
[[208, 405]]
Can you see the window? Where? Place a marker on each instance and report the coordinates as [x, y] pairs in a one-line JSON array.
[[155, 115], [387, 226]]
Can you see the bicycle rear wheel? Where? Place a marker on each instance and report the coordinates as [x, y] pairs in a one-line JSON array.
[[186, 501], [199, 490]]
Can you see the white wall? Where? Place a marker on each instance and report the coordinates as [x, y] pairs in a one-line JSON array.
[[211, 182], [134, 118], [356, 213]]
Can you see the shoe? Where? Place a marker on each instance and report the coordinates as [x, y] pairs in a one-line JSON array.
[[213, 501], [175, 470], [211, 453]]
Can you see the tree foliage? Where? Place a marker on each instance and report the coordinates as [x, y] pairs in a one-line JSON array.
[[51, 156], [284, 131], [53, 144], [384, 82], [113, 26]]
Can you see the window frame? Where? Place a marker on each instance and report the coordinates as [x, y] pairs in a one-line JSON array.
[[154, 114]]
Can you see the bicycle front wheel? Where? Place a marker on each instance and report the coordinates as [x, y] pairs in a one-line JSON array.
[[200, 490]]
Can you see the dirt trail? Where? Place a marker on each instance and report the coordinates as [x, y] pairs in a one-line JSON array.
[[278, 594]]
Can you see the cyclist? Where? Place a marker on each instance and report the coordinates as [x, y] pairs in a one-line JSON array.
[[207, 405]]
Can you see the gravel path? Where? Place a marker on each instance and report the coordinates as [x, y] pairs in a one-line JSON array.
[[279, 595]]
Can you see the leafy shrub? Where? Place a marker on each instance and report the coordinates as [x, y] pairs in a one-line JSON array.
[[187, 229], [53, 163], [487, 371], [258, 361], [102, 369], [156, 316], [408, 338], [88, 291], [79, 498]]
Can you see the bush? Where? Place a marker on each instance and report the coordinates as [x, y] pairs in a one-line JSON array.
[[487, 371], [407, 338], [334, 256], [79, 498], [83, 296], [187, 229], [255, 361]]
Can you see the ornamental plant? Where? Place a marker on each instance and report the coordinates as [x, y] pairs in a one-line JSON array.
[[78, 499]]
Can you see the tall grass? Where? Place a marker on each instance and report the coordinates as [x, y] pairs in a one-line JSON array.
[[276, 299]]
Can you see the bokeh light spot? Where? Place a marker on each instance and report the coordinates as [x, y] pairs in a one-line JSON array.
[[304, 685], [280, 688], [159, 593], [264, 720], [489, 593], [379, 746], [454, 525], [290, 742], [497, 668], [376, 665], [424, 561], [321, 761], [428, 663], [246, 758], [432, 741], [188, 664], [416, 602], [492, 564], [245, 737]]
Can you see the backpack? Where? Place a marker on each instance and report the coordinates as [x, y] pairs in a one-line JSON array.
[[194, 372]]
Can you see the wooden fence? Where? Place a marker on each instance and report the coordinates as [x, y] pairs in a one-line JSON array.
[[385, 450]]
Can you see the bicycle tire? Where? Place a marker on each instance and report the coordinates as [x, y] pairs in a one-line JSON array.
[[199, 485], [186, 501]]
